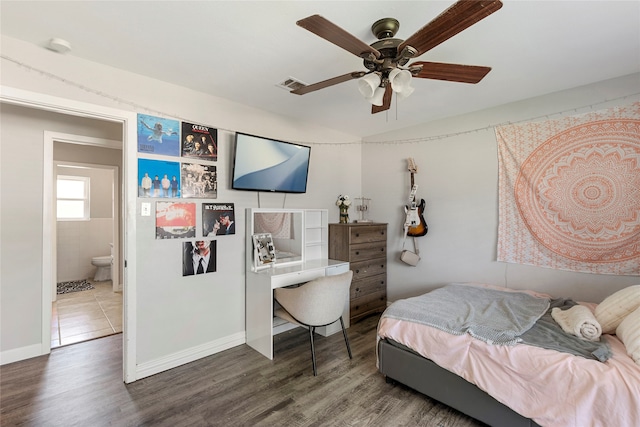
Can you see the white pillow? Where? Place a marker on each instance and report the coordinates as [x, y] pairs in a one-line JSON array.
[[616, 307], [629, 333]]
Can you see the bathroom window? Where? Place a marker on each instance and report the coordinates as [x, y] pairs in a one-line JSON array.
[[73, 198]]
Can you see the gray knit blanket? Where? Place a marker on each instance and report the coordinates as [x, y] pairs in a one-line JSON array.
[[493, 316]]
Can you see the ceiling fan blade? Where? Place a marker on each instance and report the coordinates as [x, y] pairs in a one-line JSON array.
[[329, 31], [451, 72], [330, 82], [460, 16], [386, 101]]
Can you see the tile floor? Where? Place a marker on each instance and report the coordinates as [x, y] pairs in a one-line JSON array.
[[86, 315]]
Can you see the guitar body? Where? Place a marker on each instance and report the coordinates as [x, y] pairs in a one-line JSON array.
[[420, 228]]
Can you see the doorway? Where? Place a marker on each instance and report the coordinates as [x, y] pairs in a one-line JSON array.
[[86, 305], [128, 119]]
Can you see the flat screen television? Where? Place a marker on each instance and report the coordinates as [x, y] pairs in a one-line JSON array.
[[263, 164]]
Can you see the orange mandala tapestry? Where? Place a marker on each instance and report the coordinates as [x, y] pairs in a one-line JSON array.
[[569, 192]]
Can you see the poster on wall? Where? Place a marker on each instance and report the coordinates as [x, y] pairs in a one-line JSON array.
[[199, 181], [218, 219], [158, 178], [157, 135], [175, 220], [199, 141], [199, 257]]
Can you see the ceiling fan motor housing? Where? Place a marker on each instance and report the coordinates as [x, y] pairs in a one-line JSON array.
[[388, 49]]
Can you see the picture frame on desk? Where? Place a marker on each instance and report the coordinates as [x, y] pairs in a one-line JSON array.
[[264, 252]]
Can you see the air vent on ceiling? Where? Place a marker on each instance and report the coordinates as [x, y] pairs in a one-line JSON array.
[[291, 84]]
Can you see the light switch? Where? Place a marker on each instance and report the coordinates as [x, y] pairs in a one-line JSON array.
[[146, 209]]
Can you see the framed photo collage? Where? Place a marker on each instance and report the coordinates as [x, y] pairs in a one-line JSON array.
[[171, 183]]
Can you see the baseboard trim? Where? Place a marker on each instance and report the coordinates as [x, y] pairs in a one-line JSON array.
[[22, 353], [183, 357]]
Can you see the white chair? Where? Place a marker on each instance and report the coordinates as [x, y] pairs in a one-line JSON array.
[[319, 302]]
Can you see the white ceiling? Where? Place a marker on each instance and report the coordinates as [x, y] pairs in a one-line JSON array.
[[241, 50]]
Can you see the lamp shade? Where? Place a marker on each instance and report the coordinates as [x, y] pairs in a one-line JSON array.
[[378, 96], [367, 85], [400, 79], [405, 92]]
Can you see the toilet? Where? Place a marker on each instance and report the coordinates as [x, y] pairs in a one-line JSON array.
[[104, 266]]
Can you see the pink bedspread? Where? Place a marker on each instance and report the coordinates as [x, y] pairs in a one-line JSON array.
[[552, 388]]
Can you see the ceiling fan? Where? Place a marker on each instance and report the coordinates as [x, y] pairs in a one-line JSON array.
[[385, 59]]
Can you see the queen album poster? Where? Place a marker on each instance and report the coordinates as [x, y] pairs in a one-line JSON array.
[[199, 141], [175, 220], [199, 181], [218, 219], [157, 135]]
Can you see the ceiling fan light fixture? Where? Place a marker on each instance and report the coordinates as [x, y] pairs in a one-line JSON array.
[[367, 85], [400, 80], [378, 97], [405, 92]]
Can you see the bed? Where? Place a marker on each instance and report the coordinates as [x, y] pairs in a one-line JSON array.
[[505, 380]]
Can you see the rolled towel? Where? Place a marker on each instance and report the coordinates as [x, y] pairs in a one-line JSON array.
[[578, 321]]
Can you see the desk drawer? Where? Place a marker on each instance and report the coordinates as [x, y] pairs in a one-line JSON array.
[[368, 268], [364, 251], [368, 234], [295, 278], [369, 285]]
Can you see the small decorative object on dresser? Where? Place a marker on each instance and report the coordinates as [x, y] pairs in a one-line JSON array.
[[363, 208], [343, 203], [364, 245]]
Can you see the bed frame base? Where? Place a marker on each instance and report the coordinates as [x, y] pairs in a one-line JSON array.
[[428, 378]]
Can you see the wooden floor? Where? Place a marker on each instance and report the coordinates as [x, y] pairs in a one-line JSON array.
[[81, 385]]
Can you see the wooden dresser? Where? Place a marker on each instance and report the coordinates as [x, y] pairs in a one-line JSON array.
[[364, 245]]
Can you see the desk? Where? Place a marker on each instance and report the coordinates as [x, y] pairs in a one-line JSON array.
[[259, 299]]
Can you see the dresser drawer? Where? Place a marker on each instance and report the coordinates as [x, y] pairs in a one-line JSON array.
[[363, 251], [368, 304], [369, 285], [364, 245], [368, 268], [367, 234]]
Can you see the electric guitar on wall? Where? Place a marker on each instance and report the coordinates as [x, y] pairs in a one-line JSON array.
[[415, 224]]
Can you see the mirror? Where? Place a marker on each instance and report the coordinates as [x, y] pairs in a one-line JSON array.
[[285, 229]]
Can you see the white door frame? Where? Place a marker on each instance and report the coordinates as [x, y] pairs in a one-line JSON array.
[[128, 120]]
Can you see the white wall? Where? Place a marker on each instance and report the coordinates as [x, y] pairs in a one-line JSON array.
[[175, 315], [458, 178]]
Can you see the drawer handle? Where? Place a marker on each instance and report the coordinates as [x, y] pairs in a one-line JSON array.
[[381, 249], [357, 289], [357, 234], [357, 271], [357, 253], [382, 233]]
